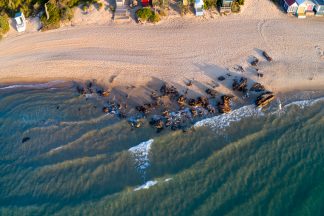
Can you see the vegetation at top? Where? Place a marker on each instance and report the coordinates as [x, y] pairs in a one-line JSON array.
[[146, 14], [4, 24], [57, 10]]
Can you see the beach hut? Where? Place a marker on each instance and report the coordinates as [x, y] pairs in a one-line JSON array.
[[319, 7], [290, 6], [305, 8], [121, 12], [199, 7], [20, 22]]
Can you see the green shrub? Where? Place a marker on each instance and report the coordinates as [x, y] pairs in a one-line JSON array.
[[235, 7], [4, 25], [209, 4], [100, 5], [154, 18], [241, 2], [163, 12], [54, 17], [66, 13], [144, 14]]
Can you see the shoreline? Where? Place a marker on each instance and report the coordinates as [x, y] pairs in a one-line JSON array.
[[164, 111]]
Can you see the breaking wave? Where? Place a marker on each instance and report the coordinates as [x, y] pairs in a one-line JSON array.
[[304, 103], [34, 86], [141, 153], [223, 121]]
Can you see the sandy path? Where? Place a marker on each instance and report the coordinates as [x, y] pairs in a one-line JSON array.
[[175, 50]]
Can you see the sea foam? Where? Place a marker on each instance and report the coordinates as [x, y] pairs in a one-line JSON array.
[[223, 121], [34, 86], [146, 185], [141, 153], [304, 103]]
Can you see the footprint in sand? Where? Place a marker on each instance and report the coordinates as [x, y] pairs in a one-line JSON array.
[[320, 52]]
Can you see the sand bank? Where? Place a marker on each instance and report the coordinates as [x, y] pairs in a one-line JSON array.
[[175, 51]]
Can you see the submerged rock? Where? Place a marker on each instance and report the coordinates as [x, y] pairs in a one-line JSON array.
[[81, 90], [264, 99], [25, 139], [105, 109], [221, 78]]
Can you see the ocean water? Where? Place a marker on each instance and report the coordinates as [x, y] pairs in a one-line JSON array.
[[61, 155]]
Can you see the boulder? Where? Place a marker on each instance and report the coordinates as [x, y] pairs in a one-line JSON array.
[[267, 57], [257, 87], [224, 106], [264, 99], [221, 78]]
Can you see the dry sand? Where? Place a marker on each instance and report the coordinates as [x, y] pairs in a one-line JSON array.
[[175, 50]]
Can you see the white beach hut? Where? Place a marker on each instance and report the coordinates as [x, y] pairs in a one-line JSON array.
[[199, 7], [20, 22]]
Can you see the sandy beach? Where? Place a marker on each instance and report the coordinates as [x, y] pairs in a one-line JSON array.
[[176, 50]]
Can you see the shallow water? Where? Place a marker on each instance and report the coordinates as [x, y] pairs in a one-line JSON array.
[[78, 160]]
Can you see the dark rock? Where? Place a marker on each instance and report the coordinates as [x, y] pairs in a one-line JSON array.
[[211, 92], [202, 101], [264, 99], [193, 112], [254, 61], [181, 100], [224, 106], [105, 93], [192, 102], [81, 90], [260, 74], [105, 109], [25, 139], [257, 87], [240, 85], [221, 78], [210, 109], [265, 54], [239, 68], [189, 83], [169, 91]]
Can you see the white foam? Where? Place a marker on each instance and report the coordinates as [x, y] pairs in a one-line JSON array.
[[304, 103], [223, 121], [146, 185], [56, 149], [34, 86], [141, 153]]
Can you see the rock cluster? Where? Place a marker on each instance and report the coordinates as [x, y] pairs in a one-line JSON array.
[[240, 85], [257, 87]]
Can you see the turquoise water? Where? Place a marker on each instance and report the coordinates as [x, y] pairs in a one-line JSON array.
[[78, 160]]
